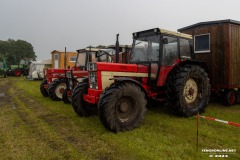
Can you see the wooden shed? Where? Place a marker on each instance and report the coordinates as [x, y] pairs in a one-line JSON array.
[[218, 44], [58, 59]]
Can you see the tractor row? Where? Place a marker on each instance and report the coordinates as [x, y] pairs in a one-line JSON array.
[[119, 83]]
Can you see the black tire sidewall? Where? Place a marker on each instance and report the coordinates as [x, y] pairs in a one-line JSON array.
[[177, 83], [108, 106], [42, 89]]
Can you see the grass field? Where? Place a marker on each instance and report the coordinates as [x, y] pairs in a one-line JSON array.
[[35, 127]]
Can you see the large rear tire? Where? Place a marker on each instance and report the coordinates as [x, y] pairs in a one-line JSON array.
[[81, 107], [122, 107], [42, 89], [188, 90], [56, 89]]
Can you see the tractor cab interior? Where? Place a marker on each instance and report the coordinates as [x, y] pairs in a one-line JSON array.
[[105, 55]]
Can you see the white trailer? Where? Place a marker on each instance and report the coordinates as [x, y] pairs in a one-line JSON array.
[[36, 69]]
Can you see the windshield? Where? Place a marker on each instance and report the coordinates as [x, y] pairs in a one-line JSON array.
[[145, 49], [105, 55], [81, 59]]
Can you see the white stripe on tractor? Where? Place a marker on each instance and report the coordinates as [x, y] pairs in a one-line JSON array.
[[106, 76]]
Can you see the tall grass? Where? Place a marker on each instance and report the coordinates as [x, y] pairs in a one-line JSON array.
[[160, 136]]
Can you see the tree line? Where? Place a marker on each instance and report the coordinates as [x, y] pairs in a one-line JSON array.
[[15, 50]]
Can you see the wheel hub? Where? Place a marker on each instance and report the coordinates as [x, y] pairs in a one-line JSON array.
[[125, 109], [60, 89], [190, 90]]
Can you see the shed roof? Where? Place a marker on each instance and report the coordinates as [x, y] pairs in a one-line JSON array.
[[210, 23]]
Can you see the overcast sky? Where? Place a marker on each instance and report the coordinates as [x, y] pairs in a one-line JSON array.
[[54, 24]]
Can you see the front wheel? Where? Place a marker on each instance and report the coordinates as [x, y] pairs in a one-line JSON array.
[[56, 89], [188, 90], [43, 90], [81, 107], [122, 107]]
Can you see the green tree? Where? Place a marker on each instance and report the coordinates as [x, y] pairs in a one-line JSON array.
[[14, 51]]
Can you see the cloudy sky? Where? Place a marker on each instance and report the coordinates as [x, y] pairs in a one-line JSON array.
[[54, 24]]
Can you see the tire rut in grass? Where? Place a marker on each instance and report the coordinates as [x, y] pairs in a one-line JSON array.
[[66, 131], [40, 129]]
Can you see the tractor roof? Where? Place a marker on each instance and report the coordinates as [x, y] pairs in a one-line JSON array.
[[155, 31], [178, 34], [121, 46], [92, 49]]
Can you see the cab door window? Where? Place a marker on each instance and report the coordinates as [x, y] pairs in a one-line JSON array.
[[170, 50]]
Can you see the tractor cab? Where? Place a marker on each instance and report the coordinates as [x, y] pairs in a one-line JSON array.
[[160, 50], [84, 56]]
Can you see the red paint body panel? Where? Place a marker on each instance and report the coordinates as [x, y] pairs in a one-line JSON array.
[[53, 73], [80, 74], [164, 71], [92, 96], [116, 67]]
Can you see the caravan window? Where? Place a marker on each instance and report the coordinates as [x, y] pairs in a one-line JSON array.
[[202, 43]]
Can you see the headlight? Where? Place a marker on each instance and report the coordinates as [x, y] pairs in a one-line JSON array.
[[93, 85], [92, 66], [93, 80]]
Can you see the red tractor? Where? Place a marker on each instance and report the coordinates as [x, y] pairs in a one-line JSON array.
[[103, 55], [54, 83], [161, 68]]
